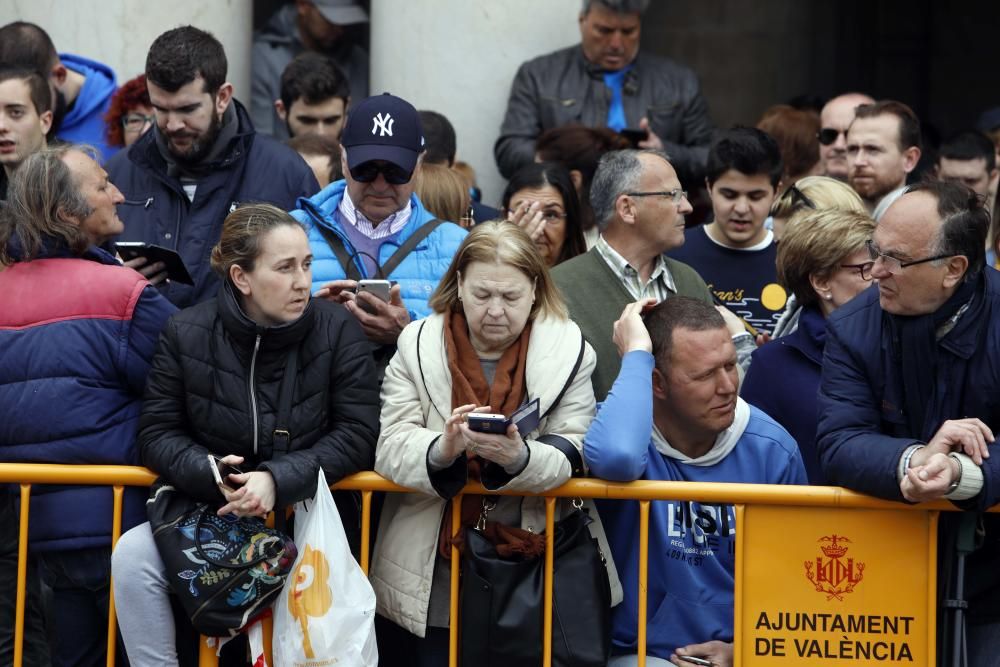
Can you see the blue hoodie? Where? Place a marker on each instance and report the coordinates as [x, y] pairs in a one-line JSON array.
[[84, 122], [691, 545]]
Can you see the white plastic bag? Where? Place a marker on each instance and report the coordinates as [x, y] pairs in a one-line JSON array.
[[325, 614]]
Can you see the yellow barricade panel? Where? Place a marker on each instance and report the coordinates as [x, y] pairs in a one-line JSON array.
[[835, 587]]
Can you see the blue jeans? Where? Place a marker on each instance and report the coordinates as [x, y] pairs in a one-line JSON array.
[[80, 582]]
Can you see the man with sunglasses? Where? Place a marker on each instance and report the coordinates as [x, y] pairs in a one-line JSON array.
[[834, 119], [202, 160], [358, 225], [908, 405]]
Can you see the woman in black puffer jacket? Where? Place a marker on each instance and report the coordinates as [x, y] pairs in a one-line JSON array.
[[214, 389]]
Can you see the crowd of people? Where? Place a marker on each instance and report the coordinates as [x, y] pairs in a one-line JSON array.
[[830, 323]]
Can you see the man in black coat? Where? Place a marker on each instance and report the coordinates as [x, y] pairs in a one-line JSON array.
[[201, 161]]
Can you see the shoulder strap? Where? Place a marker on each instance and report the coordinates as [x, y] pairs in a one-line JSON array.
[[416, 237], [337, 246], [281, 437]]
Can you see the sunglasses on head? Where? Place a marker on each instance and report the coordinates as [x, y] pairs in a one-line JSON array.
[[366, 172], [828, 135]]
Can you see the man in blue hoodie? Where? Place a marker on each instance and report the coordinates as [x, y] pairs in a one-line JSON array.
[[81, 88], [674, 414]]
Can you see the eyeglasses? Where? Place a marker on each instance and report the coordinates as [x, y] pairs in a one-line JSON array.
[[366, 172], [891, 264], [136, 121], [676, 195], [864, 269], [828, 135]]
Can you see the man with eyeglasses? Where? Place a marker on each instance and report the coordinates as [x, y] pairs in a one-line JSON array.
[[835, 118], [883, 147], [639, 207], [356, 226], [908, 405], [198, 164]]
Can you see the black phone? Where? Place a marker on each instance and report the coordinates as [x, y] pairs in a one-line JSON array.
[[488, 423], [634, 135], [221, 472], [176, 271]]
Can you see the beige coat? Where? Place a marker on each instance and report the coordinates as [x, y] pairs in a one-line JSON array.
[[416, 401]]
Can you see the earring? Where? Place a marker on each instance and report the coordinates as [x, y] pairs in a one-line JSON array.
[[828, 296]]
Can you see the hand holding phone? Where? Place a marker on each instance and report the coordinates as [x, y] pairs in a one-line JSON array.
[[221, 472], [694, 660], [378, 288]]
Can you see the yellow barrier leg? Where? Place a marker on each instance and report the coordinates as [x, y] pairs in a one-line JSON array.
[[206, 654], [550, 511], [453, 629], [643, 578], [116, 531], [366, 528], [22, 575]]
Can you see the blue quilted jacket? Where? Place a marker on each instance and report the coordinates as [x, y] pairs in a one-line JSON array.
[[76, 339], [418, 275]]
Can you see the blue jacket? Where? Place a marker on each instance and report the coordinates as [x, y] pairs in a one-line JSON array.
[[84, 121], [783, 381], [77, 336], [862, 429], [692, 545], [418, 275], [254, 168]]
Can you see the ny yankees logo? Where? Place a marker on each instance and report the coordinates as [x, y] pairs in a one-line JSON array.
[[383, 124]]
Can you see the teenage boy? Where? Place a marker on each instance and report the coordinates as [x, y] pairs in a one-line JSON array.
[[734, 253]]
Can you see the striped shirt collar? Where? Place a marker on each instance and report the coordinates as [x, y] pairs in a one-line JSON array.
[[660, 284], [388, 227]]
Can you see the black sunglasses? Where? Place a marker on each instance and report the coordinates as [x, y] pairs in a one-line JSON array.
[[366, 172], [828, 135]]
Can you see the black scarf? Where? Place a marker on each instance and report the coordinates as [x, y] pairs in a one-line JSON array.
[[915, 339]]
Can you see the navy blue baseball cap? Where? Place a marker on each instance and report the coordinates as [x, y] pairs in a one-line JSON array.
[[383, 127]]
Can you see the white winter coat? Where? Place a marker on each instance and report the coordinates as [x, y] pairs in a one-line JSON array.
[[416, 401]]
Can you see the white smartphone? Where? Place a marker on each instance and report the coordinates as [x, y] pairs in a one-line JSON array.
[[696, 661], [379, 288], [221, 472]]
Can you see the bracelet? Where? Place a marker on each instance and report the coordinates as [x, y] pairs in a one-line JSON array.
[[958, 480], [907, 455]]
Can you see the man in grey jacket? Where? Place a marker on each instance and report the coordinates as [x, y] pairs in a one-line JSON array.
[[605, 82]]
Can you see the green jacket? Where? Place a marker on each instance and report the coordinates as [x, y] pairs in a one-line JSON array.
[[596, 298]]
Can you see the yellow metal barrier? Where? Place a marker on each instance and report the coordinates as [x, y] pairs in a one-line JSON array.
[[739, 495]]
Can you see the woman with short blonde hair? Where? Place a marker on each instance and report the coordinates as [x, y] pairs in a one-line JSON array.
[[824, 262], [813, 193], [498, 340]]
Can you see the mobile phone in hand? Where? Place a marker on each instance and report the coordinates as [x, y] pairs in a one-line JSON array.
[[694, 660], [221, 472], [379, 288]]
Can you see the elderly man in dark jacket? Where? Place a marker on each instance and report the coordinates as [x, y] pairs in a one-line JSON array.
[[201, 161], [605, 82], [908, 400]]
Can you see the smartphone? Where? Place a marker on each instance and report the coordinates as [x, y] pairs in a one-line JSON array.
[[379, 288], [221, 472], [696, 661], [176, 271], [634, 135], [488, 423]]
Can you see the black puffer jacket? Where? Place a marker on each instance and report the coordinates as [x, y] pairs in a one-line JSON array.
[[200, 397]]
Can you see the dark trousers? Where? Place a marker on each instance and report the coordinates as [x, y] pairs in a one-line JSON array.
[[400, 648], [80, 582], [36, 648]]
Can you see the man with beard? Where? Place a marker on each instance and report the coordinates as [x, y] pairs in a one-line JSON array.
[[201, 161], [883, 146], [81, 88]]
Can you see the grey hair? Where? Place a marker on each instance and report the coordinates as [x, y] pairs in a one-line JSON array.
[[44, 202], [618, 172], [618, 6]]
